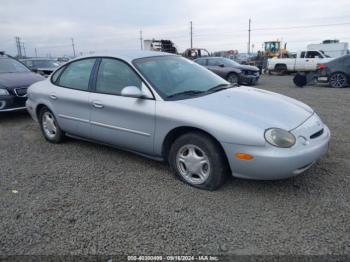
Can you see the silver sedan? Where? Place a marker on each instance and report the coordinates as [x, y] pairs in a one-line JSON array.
[[168, 108]]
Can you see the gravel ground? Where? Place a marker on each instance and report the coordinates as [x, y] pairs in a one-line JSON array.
[[83, 198]]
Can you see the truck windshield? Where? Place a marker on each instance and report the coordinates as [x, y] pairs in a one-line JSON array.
[[325, 55], [171, 75], [9, 65]]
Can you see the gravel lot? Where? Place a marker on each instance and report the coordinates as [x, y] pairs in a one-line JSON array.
[[83, 198]]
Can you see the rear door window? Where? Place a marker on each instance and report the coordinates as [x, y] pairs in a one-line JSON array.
[[77, 74]]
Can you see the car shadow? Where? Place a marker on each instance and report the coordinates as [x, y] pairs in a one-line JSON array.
[[295, 185]]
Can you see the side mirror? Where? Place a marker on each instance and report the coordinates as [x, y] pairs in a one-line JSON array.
[[132, 91], [222, 65]]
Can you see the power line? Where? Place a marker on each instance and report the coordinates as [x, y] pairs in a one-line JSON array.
[[301, 26]]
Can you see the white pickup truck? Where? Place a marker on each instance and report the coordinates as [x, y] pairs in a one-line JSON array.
[[304, 61]]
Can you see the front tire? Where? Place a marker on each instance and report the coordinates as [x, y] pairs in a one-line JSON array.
[[199, 161], [338, 80], [232, 78], [49, 126]]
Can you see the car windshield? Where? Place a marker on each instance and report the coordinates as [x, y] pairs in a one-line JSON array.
[[9, 65], [45, 63], [174, 76]]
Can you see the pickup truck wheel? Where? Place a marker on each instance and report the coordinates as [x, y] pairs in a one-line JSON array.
[[281, 69], [199, 161], [338, 80]]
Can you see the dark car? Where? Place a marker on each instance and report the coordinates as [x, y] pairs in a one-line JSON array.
[[42, 66], [14, 81], [231, 70], [335, 72]]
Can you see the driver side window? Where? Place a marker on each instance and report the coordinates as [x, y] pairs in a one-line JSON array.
[[113, 75]]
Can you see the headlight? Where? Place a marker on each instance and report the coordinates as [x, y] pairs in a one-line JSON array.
[[4, 92], [279, 137]]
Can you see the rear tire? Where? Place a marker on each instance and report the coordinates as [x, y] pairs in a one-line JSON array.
[[338, 80], [281, 69], [49, 126], [199, 161]]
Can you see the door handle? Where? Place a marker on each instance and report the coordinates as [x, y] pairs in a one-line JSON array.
[[54, 97], [97, 104]]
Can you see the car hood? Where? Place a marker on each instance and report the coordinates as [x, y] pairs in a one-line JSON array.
[[256, 107], [14, 80], [248, 67]]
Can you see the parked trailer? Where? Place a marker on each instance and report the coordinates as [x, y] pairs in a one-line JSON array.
[[160, 46], [332, 48]]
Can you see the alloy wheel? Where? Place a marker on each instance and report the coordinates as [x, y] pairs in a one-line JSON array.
[[232, 79], [49, 125], [193, 164], [338, 80]]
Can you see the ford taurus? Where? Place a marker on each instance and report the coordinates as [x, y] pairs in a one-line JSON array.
[[169, 108]]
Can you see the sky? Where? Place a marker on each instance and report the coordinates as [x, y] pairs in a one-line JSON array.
[[105, 25]]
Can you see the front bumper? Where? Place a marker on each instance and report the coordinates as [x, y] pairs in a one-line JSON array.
[[249, 79], [271, 163], [12, 103]]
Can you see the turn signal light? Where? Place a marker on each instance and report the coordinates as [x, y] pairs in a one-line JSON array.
[[244, 156]]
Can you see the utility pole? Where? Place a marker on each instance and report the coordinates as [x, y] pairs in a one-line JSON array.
[[18, 45], [141, 40], [191, 33], [249, 30], [24, 50], [36, 53], [73, 46]]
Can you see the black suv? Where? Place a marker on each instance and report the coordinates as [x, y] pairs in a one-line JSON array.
[[14, 81]]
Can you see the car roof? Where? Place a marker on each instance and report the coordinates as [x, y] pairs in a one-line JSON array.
[[127, 55]]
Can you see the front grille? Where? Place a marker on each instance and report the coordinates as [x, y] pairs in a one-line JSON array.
[[317, 134], [250, 73], [21, 92]]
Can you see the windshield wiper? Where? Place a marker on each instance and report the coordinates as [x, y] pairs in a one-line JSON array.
[[220, 87], [188, 92]]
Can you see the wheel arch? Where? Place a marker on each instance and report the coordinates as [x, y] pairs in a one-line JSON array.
[[233, 72], [39, 107], [281, 65], [175, 133]]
